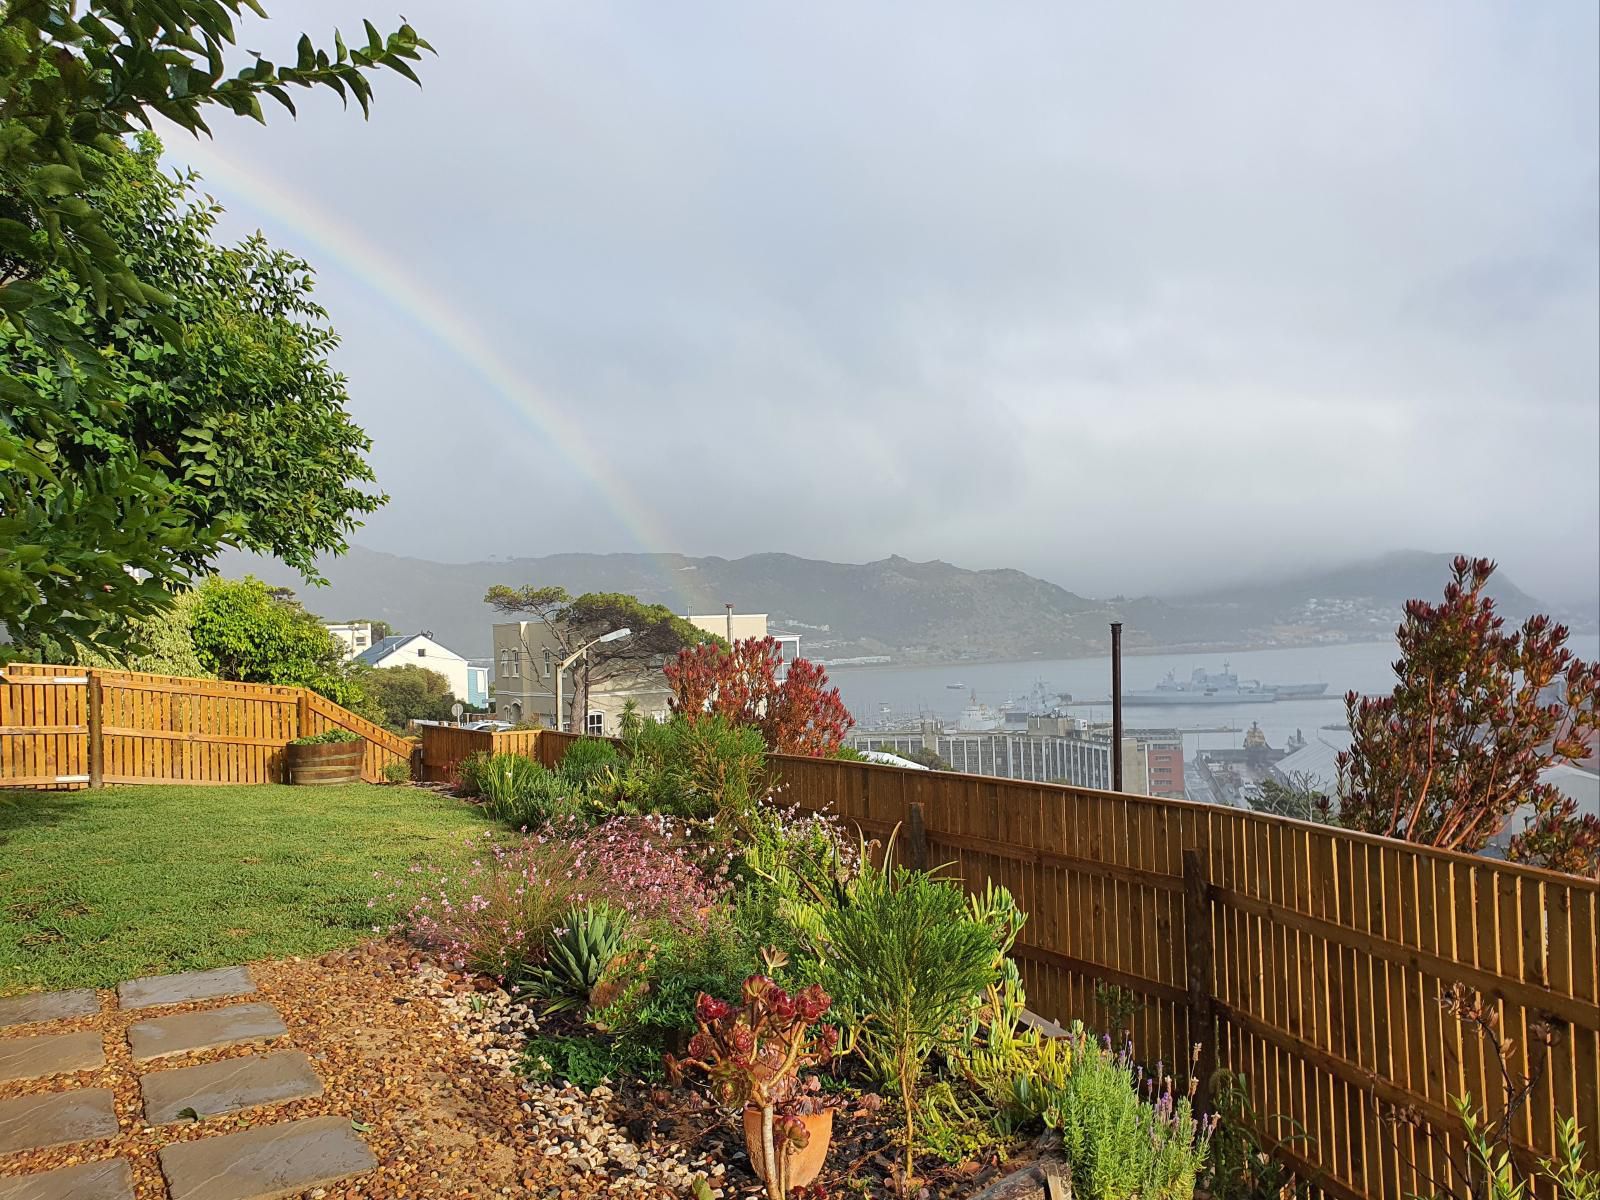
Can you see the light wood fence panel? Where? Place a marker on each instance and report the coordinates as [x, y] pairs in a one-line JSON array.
[[44, 726], [71, 727]]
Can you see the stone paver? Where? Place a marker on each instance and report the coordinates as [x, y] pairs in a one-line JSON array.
[[50, 1054], [229, 1085], [189, 986], [109, 1179], [56, 1118], [271, 1161], [48, 1006], [204, 1030]]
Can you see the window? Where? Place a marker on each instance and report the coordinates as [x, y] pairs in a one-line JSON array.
[[595, 724], [547, 662], [422, 652]]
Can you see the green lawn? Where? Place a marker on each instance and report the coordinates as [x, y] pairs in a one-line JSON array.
[[101, 886]]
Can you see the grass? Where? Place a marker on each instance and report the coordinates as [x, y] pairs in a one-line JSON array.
[[96, 887]]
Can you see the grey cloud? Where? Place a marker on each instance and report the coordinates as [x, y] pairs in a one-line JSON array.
[[1130, 296]]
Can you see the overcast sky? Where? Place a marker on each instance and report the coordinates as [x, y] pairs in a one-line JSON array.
[[1135, 297]]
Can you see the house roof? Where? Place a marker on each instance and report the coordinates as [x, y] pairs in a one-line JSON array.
[[1317, 758], [383, 647]]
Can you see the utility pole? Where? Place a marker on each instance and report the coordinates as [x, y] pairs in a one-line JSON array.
[[730, 626], [1116, 706]]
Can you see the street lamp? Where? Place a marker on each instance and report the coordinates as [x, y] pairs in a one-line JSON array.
[[616, 635]]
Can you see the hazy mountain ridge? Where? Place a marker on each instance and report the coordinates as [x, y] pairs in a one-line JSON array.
[[913, 611]]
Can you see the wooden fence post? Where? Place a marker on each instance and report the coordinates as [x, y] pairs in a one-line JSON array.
[[302, 725], [97, 745], [916, 838], [1198, 935]]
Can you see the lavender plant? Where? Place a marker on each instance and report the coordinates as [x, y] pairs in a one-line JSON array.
[[1125, 1132]]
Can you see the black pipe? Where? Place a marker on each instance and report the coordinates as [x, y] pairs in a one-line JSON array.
[[1116, 706]]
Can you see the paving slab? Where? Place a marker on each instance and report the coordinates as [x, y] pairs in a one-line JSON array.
[[184, 988], [50, 1054], [109, 1179], [267, 1162], [56, 1118], [48, 1006], [204, 1030], [228, 1086]]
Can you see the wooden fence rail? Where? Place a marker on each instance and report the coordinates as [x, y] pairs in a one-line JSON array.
[[1310, 959], [71, 727]]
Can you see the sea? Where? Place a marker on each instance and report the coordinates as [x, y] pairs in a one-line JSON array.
[[1365, 668]]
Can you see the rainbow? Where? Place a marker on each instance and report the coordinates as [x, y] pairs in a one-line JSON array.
[[391, 282]]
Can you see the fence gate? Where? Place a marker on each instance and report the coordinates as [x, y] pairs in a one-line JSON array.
[[45, 723]]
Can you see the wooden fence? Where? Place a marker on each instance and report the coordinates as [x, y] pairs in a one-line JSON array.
[[71, 727], [1310, 959], [444, 746]]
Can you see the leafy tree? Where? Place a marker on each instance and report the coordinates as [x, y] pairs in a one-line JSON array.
[[571, 622], [801, 715], [245, 415], [1478, 715], [928, 758], [407, 693], [100, 522], [1297, 796], [380, 629], [162, 644], [243, 632]]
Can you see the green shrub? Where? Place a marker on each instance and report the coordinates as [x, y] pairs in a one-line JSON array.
[[397, 772], [906, 951], [1118, 1144], [658, 1004], [520, 792], [585, 942], [705, 770], [587, 761], [587, 1061], [327, 737], [469, 773]]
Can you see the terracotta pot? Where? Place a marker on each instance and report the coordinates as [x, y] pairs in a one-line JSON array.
[[327, 762], [800, 1166]]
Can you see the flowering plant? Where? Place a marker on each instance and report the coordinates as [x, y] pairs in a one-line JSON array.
[[491, 910], [753, 1053]]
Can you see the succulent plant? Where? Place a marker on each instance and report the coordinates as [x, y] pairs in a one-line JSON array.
[[585, 942]]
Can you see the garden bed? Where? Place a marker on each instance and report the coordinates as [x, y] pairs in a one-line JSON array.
[[669, 959]]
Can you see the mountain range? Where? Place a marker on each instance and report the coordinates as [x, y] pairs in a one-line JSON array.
[[911, 611]]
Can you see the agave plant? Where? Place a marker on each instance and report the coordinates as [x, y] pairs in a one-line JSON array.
[[586, 940]]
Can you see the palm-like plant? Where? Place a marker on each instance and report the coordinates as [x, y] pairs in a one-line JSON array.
[[585, 943]]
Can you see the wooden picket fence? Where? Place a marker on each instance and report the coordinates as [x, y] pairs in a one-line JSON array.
[[1310, 959], [71, 727]]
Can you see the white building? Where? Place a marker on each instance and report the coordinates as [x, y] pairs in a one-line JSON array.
[[354, 636], [469, 683]]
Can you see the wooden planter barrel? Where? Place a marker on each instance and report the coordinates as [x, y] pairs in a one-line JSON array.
[[328, 762]]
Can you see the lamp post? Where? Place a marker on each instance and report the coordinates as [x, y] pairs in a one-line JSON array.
[[616, 635]]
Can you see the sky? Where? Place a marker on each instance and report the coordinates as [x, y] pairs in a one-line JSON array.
[[1138, 298]]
